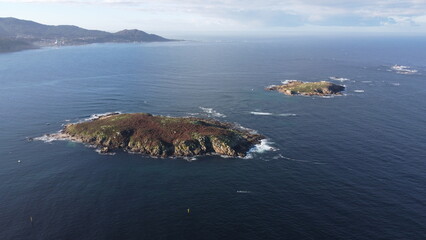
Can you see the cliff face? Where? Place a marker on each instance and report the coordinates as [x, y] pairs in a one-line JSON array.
[[322, 88], [163, 136]]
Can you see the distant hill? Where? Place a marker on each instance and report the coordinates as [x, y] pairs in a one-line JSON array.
[[29, 34], [13, 45]]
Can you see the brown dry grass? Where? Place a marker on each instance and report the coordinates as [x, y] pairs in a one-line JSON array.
[[146, 126]]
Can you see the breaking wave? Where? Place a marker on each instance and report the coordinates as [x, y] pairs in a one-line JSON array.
[[212, 112], [287, 81], [99, 151], [273, 114], [341, 79], [243, 191], [261, 113], [264, 146], [401, 69], [99, 115], [47, 138]]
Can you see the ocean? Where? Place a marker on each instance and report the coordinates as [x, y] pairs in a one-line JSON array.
[[344, 167]]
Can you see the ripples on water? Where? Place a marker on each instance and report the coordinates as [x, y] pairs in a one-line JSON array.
[[349, 167]]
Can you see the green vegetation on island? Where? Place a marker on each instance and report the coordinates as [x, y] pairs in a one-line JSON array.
[[322, 88], [162, 136]]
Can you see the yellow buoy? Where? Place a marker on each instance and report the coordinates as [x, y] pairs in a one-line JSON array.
[[188, 210]]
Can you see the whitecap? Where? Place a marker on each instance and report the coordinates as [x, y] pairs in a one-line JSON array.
[[45, 138], [99, 151], [273, 114], [264, 146], [212, 112], [190, 159], [401, 69], [287, 81], [287, 114], [243, 191], [395, 84], [261, 113], [59, 136], [341, 79]]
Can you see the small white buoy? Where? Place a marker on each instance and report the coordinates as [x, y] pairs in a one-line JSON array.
[[19, 161]]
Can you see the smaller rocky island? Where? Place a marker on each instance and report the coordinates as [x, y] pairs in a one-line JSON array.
[[162, 136], [295, 87]]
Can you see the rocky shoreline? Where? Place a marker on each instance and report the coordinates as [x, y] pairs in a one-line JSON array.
[[161, 136], [295, 87]]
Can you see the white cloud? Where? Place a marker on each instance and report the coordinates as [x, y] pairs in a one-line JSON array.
[[253, 14]]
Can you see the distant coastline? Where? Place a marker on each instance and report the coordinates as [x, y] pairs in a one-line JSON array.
[[18, 35]]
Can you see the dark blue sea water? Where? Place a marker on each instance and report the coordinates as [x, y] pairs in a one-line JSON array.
[[349, 167]]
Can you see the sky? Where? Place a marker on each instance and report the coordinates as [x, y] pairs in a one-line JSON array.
[[252, 17]]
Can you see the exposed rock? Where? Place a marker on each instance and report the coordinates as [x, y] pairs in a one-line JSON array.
[[322, 88]]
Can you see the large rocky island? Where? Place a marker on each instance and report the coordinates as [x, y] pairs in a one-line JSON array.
[[294, 87], [162, 136]]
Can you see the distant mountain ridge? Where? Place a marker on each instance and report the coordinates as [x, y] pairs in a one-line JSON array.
[[38, 35]]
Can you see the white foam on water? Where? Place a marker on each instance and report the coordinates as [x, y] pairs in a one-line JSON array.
[[395, 84], [287, 114], [59, 136], [273, 114], [270, 86], [359, 91], [287, 81], [280, 156], [45, 138], [401, 69], [99, 115], [261, 113], [341, 79], [52, 137], [243, 191], [238, 126], [212, 112], [264, 146], [99, 151], [190, 159]]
